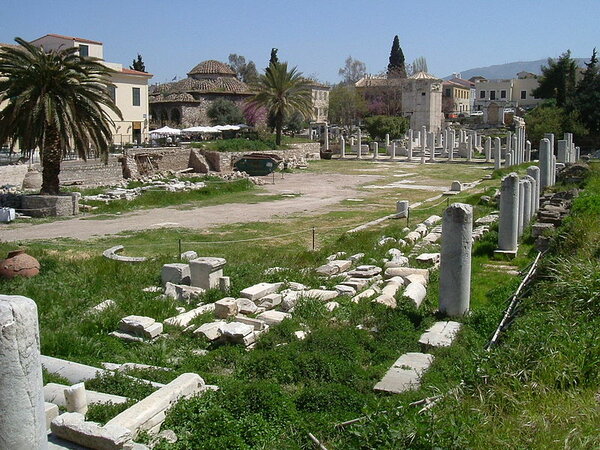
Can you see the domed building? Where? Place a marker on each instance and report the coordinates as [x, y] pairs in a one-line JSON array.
[[184, 103]]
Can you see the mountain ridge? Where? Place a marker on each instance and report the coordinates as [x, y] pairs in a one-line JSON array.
[[509, 70]]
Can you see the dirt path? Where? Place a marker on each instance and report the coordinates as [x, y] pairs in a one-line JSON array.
[[318, 192]]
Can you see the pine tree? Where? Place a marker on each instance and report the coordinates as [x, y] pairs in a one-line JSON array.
[[588, 95], [396, 67], [138, 64], [274, 59], [558, 81]]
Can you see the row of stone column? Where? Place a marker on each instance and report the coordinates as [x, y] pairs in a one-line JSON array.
[[519, 202]]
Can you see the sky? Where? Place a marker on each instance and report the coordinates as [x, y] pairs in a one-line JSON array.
[[316, 36]]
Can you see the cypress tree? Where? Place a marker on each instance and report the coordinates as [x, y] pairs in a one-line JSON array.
[[396, 67]]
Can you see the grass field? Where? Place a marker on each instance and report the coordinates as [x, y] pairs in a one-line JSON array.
[[537, 389]]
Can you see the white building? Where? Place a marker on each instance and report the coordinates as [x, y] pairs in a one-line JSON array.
[[514, 92], [129, 88]]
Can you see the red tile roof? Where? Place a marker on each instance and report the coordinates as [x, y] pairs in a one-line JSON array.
[[60, 36]]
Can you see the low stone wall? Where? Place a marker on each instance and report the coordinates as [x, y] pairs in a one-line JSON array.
[[298, 152], [92, 172], [50, 205], [13, 174]]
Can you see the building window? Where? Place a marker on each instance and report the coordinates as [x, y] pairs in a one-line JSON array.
[[492, 95], [84, 50], [523, 95], [503, 94], [112, 92], [481, 94], [136, 96], [448, 93]]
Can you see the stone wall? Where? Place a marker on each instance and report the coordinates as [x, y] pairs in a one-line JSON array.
[[92, 172], [13, 174]]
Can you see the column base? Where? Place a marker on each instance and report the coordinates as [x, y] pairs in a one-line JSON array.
[[506, 254]]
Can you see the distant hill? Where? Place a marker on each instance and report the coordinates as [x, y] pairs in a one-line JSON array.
[[509, 70]]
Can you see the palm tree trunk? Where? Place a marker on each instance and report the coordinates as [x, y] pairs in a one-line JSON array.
[[278, 128], [51, 158]]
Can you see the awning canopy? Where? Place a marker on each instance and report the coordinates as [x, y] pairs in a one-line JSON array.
[[166, 131]]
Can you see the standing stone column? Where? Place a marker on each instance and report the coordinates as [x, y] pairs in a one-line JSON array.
[[375, 150], [432, 146], [562, 151], [488, 149], [577, 154], [446, 139], [509, 160], [409, 149], [528, 201], [497, 153], [469, 147], [423, 145], [343, 145], [553, 171], [359, 152], [455, 259], [387, 141], [528, 151], [508, 142], [401, 208], [508, 227], [451, 143], [22, 412], [326, 138], [545, 164], [515, 149], [521, 220], [393, 150], [534, 173]]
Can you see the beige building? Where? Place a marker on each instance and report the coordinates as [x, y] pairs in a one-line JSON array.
[[418, 97], [511, 93], [129, 88], [456, 99], [320, 102]]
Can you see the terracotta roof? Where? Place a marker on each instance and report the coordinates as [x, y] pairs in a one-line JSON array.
[[465, 83], [2, 44], [188, 85], [457, 84], [212, 67], [173, 97], [135, 72], [371, 81], [60, 36]]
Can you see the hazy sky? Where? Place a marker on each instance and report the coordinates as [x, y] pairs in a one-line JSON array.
[[316, 36]]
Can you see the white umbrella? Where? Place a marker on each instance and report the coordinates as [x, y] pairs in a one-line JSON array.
[[201, 130], [166, 131]]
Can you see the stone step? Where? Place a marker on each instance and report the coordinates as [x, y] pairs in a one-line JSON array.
[[440, 334], [405, 374]]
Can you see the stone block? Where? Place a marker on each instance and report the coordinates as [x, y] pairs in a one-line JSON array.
[[176, 273], [55, 393], [226, 307], [440, 334], [416, 278], [76, 398], [320, 294], [399, 261], [246, 306], [364, 294], [73, 372], [51, 412], [73, 427], [258, 324], [330, 306], [405, 374], [103, 306], [183, 319], [405, 271], [142, 326], [148, 412], [356, 257], [412, 237], [327, 270], [432, 220], [236, 331], [210, 330], [188, 256], [344, 289], [416, 292], [272, 299], [429, 258], [224, 284], [356, 283], [260, 290], [273, 317], [365, 271], [206, 271], [182, 292], [386, 300]]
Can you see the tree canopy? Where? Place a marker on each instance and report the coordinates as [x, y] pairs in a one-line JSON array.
[[587, 96], [244, 71], [352, 71], [282, 92], [55, 101], [138, 64], [224, 112], [346, 105], [396, 67], [558, 80], [379, 126], [419, 65]]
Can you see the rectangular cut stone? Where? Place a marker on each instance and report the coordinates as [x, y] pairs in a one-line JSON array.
[[210, 330], [320, 294], [140, 416], [272, 299], [183, 292], [342, 264], [441, 334], [365, 271], [226, 307], [364, 294], [54, 393], [356, 283], [73, 372], [260, 290], [134, 324], [183, 319], [51, 411], [405, 374], [176, 273], [235, 331], [405, 271], [273, 317], [327, 269], [73, 427], [103, 305], [205, 272], [258, 324]]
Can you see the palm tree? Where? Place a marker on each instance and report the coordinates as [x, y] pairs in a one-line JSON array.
[[282, 93], [56, 101]]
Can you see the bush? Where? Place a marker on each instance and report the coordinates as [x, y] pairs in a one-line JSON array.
[[379, 126]]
